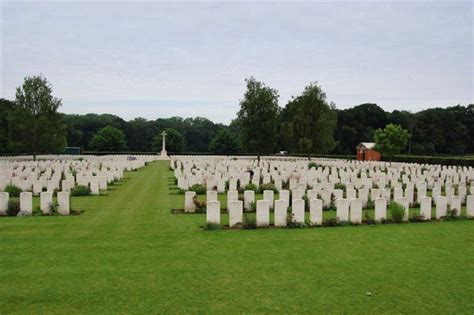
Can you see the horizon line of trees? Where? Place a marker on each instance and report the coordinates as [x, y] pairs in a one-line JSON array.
[[306, 124]]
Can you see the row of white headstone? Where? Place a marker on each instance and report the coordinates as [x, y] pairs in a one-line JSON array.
[[56, 174], [327, 196], [46, 201], [346, 210], [239, 171]]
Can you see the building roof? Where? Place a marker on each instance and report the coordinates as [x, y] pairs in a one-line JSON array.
[[367, 145]]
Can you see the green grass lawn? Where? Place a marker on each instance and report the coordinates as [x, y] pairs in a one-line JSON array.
[[128, 253]]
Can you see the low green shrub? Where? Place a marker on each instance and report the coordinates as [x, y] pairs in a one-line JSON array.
[[251, 187], [397, 211], [313, 164], [249, 223], [198, 189], [12, 190], [370, 204], [368, 219], [268, 186], [331, 222], [80, 190], [292, 224], [340, 186], [13, 207], [417, 218], [212, 227], [252, 207], [200, 205]]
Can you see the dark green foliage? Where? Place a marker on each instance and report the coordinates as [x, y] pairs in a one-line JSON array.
[[139, 134], [268, 186], [313, 165], [396, 211], [391, 140], [292, 224], [417, 218], [108, 139], [6, 108], [249, 223], [257, 118], [340, 186], [35, 124], [251, 187], [13, 207], [370, 204], [368, 219], [175, 142], [198, 189], [212, 227], [80, 190], [358, 124], [308, 122], [331, 222], [225, 142], [13, 190]]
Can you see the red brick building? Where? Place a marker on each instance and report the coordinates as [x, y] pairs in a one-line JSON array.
[[366, 152]]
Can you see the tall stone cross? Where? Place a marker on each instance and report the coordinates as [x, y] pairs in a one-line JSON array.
[[163, 147]]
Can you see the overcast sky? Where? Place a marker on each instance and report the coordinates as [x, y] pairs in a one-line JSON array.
[[190, 59]]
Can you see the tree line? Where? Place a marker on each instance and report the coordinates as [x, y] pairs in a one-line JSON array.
[[308, 124]]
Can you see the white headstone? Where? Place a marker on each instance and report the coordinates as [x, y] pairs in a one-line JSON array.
[[297, 194], [342, 209], [63, 203], [281, 209], [211, 195], [26, 202], [441, 206], [316, 211], [189, 205], [94, 185], [232, 195], [356, 210], [425, 207], [470, 206], [285, 195], [380, 209], [263, 213], [4, 196], [297, 209], [46, 200], [455, 204], [268, 196], [249, 197], [235, 212], [213, 212]]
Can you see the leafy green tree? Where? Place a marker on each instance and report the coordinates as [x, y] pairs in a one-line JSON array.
[[35, 124], [257, 118], [140, 133], [358, 124], [6, 108], [108, 139], [310, 122], [81, 128], [391, 140], [224, 143], [175, 141]]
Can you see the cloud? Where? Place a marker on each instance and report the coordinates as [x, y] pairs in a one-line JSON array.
[[185, 58]]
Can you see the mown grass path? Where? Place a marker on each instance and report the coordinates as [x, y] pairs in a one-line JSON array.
[[128, 254]]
